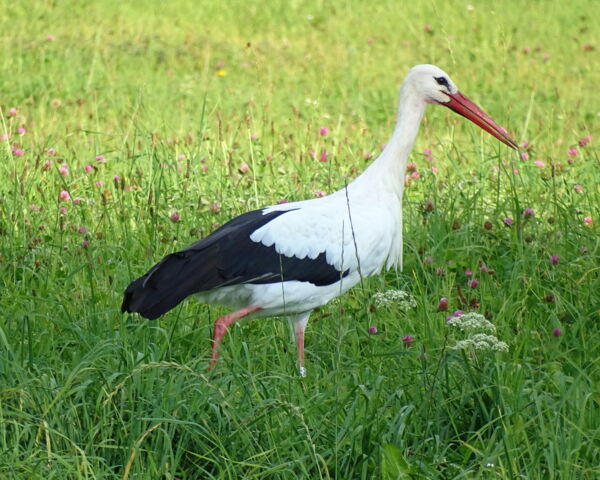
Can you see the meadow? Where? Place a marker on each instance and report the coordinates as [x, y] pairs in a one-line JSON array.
[[131, 129]]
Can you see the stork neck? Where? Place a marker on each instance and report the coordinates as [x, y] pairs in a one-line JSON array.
[[389, 170]]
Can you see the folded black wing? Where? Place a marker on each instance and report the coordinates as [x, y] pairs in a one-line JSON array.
[[226, 257]]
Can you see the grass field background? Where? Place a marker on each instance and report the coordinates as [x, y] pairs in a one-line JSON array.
[[131, 129]]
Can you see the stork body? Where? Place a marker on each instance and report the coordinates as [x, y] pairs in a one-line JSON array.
[[288, 259]]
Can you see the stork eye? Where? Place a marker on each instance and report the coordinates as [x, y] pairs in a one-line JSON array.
[[443, 81]]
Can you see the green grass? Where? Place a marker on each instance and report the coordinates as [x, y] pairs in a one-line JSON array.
[[86, 392]]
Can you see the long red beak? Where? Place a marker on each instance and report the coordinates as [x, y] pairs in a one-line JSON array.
[[465, 107]]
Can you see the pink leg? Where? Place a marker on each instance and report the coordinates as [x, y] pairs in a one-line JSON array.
[[300, 342], [300, 321], [221, 326]]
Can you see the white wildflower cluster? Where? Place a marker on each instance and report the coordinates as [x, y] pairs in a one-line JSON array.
[[481, 333], [472, 322], [481, 341], [399, 298]]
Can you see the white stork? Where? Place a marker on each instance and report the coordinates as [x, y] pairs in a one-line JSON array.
[[288, 259]]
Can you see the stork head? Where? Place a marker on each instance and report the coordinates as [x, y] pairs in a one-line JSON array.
[[434, 85]]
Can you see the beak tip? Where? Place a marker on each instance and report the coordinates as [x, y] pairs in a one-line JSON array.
[[465, 107]]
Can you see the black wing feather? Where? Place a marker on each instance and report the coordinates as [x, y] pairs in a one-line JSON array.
[[226, 257]]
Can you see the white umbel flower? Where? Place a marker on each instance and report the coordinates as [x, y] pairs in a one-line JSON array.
[[481, 341], [472, 322], [480, 333], [399, 298]]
